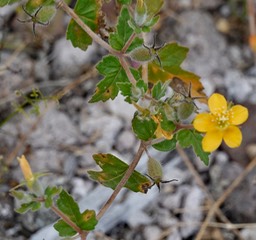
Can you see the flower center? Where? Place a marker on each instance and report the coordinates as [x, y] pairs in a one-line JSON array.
[[222, 118]]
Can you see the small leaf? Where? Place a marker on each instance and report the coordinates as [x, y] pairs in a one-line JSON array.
[[34, 206], [89, 220], [113, 170], [64, 229], [144, 128], [166, 145], [192, 138], [49, 193], [123, 32], [114, 74], [124, 1], [159, 90], [88, 11]]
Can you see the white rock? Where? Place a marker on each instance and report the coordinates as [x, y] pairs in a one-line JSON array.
[[69, 61], [152, 232], [193, 212], [121, 108], [126, 141], [105, 127], [56, 128], [248, 234]]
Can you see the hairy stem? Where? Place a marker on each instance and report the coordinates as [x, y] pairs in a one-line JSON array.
[[67, 220], [61, 4], [127, 71]]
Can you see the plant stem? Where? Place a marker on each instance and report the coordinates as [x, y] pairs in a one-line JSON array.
[[61, 4], [128, 43], [66, 219], [123, 181], [127, 71]]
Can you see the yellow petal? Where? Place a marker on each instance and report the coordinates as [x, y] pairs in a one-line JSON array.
[[25, 168], [203, 122], [212, 140], [239, 114], [217, 103], [232, 136]]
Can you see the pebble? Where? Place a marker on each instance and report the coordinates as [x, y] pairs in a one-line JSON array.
[[152, 232]]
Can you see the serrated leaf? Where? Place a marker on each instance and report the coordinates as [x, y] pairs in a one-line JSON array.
[[158, 90], [69, 207], [113, 170], [34, 206], [88, 11], [64, 229], [114, 74], [123, 32], [166, 145], [144, 128], [192, 138]]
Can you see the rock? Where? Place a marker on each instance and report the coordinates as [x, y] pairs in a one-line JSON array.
[[248, 234], [206, 44], [55, 129], [152, 232], [174, 201], [192, 211], [80, 187], [121, 108], [126, 141], [106, 127], [69, 61], [233, 80], [174, 231]]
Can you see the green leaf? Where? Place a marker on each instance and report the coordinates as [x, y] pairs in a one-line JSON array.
[[69, 207], [192, 138], [113, 170], [166, 145], [114, 74], [123, 32], [3, 2], [172, 54], [88, 11], [159, 90], [49, 193], [34, 206], [166, 124], [64, 229], [124, 1], [153, 7], [144, 128], [89, 220]]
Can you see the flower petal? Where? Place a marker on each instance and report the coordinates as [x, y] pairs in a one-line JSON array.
[[203, 122], [217, 103], [212, 140], [232, 136], [239, 114]]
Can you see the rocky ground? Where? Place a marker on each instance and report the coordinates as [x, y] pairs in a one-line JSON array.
[[65, 135]]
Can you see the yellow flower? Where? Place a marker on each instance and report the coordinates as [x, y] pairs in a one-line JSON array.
[[220, 123], [26, 170]]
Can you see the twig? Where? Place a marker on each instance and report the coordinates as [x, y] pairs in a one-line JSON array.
[[61, 4], [127, 71], [123, 181], [223, 197], [202, 185]]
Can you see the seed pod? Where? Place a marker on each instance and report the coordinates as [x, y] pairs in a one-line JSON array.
[[155, 170], [185, 110], [142, 54]]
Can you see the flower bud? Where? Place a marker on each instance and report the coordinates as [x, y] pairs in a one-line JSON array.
[[141, 54], [185, 110]]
